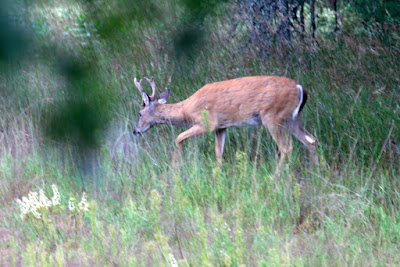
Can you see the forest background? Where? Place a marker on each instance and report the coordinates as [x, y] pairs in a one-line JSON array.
[[76, 188]]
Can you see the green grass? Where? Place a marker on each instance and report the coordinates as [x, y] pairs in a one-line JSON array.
[[345, 211], [142, 212]]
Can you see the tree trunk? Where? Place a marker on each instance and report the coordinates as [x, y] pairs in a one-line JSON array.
[[283, 8], [303, 28], [336, 20], [374, 9], [312, 7]]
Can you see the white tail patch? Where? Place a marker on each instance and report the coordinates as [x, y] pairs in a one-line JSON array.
[[296, 111], [310, 140]]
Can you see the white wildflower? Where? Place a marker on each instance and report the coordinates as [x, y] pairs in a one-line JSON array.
[[34, 199], [44, 201], [24, 206], [34, 203], [83, 205], [36, 214], [56, 196], [172, 260], [71, 204]]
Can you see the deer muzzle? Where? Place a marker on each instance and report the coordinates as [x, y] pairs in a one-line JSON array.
[[137, 132]]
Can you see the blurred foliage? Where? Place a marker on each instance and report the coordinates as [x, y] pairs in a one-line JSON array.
[[379, 10], [84, 111], [13, 40]]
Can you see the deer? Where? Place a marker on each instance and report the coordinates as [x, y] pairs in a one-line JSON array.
[[273, 101]]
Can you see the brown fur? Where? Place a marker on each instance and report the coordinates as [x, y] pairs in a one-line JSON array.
[[267, 100]]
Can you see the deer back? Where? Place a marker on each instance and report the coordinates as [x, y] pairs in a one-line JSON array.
[[243, 101]]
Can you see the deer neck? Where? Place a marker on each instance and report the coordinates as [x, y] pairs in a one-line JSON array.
[[173, 114]]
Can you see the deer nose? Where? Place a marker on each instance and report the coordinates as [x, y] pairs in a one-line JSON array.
[[136, 132]]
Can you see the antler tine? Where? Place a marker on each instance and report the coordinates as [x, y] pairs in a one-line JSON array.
[[138, 85], [153, 87]]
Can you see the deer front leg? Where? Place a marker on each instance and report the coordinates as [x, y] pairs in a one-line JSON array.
[[196, 130], [220, 135]]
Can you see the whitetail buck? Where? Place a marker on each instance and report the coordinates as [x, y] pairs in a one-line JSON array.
[[272, 101]]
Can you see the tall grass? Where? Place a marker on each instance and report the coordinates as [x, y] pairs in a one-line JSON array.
[[143, 212]]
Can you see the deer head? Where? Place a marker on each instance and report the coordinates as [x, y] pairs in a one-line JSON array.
[[150, 113]]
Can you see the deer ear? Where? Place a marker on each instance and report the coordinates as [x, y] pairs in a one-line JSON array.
[[162, 99], [145, 98]]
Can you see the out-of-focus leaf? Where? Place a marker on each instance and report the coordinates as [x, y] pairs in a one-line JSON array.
[[12, 39], [113, 16], [83, 113], [188, 40]]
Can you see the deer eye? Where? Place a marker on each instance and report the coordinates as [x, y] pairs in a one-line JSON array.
[[140, 114]]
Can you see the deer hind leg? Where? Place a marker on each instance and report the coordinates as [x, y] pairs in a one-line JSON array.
[[196, 130], [220, 135], [283, 141], [296, 128]]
